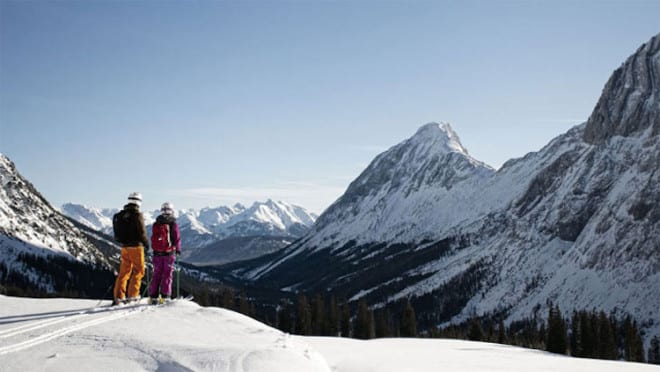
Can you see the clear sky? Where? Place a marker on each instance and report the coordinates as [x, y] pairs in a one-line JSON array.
[[210, 103]]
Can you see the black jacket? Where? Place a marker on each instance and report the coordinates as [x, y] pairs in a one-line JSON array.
[[136, 232]]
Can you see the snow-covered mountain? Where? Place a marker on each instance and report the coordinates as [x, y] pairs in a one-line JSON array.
[[393, 199], [61, 335], [272, 225], [97, 219], [268, 218], [576, 223], [38, 244]]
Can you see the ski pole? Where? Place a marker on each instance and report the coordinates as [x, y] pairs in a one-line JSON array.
[[105, 294], [146, 268], [178, 276]]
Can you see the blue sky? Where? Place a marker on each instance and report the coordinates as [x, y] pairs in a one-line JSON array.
[[209, 103]]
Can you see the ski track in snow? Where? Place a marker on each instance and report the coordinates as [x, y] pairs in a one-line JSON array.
[[99, 315]]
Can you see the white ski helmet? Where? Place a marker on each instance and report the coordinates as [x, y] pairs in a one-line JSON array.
[[167, 208], [135, 198]]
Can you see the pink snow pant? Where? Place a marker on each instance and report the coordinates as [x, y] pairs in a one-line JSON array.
[[163, 266]]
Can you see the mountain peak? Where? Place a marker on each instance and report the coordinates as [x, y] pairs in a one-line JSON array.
[[631, 98], [441, 134]]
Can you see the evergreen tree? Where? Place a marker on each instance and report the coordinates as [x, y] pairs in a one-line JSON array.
[[3, 273], [372, 324], [595, 327], [333, 318], [587, 338], [574, 337], [501, 333], [556, 342], [318, 316], [228, 298], [489, 332], [634, 347], [202, 296], [654, 351], [383, 324], [244, 305], [408, 323], [606, 346], [284, 322], [303, 317], [475, 333], [618, 337], [345, 320], [364, 324]]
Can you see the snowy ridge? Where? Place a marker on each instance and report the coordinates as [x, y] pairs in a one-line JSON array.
[[576, 223], [278, 217], [215, 217], [183, 336], [28, 222], [97, 219]]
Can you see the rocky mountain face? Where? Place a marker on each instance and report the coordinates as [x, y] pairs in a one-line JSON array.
[[629, 103], [221, 234], [40, 247], [575, 223]]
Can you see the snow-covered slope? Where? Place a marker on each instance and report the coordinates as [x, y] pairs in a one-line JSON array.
[[29, 226], [216, 218], [27, 217], [576, 223], [65, 335], [237, 249], [97, 219]]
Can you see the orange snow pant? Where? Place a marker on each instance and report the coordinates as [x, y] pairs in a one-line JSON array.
[[132, 261]]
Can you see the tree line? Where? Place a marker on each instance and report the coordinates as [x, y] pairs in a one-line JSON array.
[[318, 316], [586, 334], [50, 276]]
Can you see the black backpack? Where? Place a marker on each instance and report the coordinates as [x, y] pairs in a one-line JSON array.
[[121, 224]]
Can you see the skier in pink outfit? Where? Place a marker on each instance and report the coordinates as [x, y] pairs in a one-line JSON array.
[[165, 243]]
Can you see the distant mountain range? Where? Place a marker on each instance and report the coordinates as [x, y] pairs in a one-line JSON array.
[[220, 234], [576, 223]]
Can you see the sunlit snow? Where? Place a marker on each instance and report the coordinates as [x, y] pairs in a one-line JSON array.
[[65, 335]]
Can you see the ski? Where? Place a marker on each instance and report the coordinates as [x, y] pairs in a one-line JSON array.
[[126, 303], [165, 302]]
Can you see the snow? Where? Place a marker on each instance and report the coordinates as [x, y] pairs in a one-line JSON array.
[[439, 135], [97, 219], [69, 334], [417, 355], [209, 224]]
